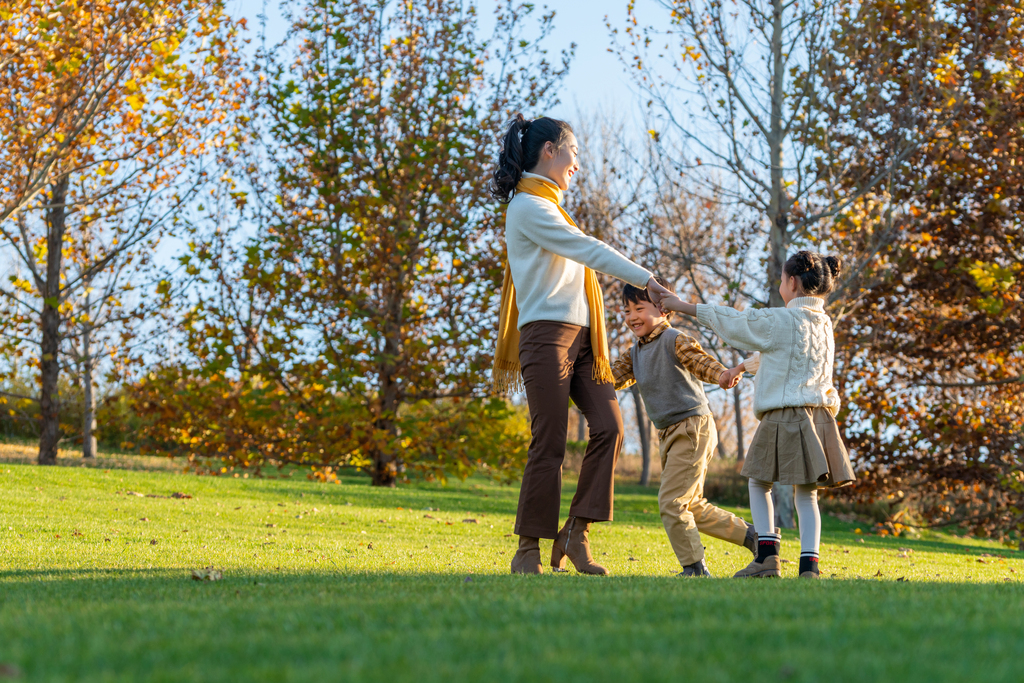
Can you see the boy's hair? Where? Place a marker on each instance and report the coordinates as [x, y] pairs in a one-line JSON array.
[[634, 295]]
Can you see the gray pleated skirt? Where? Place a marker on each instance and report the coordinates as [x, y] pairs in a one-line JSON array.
[[799, 446]]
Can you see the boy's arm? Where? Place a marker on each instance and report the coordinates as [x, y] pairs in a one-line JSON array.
[[695, 359], [622, 371]]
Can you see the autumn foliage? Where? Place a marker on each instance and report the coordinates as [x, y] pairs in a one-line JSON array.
[[930, 338]]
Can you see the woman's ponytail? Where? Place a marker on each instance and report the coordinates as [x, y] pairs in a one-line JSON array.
[[521, 146]]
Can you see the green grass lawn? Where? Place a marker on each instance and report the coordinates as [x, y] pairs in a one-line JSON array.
[[327, 582]]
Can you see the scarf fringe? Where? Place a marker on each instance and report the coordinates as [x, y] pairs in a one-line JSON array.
[[602, 371], [508, 378]]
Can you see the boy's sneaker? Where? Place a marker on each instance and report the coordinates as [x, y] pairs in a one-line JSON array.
[[698, 568], [770, 568], [750, 542]]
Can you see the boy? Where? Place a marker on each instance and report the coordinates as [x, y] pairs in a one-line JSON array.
[[669, 368]]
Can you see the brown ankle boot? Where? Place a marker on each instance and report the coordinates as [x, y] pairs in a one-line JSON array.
[[574, 542], [527, 558]]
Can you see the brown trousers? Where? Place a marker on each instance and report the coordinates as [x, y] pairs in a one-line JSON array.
[[557, 363]]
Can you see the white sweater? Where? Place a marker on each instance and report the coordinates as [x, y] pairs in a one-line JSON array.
[[797, 350], [547, 256]]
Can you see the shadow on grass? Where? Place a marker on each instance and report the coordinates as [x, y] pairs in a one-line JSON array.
[[103, 624]]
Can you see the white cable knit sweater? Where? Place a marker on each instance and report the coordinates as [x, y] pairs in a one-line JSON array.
[[796, 351], [547, 256]]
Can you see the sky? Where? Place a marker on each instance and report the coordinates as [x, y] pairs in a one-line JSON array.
[[596, 78]]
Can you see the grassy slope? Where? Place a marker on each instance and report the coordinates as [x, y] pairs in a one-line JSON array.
[[309, 598]]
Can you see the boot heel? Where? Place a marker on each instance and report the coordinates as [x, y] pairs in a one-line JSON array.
[[557, 559]]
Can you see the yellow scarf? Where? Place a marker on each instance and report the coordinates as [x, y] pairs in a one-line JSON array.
[[507, 373]]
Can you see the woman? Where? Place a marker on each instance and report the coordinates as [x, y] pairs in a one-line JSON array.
[[552, 340]]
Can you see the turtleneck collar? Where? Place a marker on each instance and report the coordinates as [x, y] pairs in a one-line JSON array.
[[815, 303]]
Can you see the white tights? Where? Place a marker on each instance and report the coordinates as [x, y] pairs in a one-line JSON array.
[[806, 498]]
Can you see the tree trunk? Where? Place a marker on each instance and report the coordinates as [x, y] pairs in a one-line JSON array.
[[385, 461], [644, 429], [89, 408], [49, 362], [778, 236], [778, 209], [737, 406]]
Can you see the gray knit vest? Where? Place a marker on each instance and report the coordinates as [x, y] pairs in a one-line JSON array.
[[671, 392]]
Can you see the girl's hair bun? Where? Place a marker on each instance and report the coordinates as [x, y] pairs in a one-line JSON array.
[[835, 266], [818, 274]]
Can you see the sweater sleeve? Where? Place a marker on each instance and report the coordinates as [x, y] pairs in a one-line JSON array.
[[749, 330], [753, 363], [548, 229]]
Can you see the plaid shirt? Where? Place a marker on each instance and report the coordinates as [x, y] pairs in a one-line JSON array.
[[688, 352]]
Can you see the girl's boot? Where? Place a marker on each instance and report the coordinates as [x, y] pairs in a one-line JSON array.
[[574, 542], [527, 558]]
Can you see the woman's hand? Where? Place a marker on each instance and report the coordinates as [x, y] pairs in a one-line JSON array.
[[656, 292]]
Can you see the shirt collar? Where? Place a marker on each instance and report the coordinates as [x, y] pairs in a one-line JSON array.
[[655, 333], [815, 303]]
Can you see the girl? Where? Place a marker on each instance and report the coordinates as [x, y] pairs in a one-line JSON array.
[[552, 340], [798, 441]]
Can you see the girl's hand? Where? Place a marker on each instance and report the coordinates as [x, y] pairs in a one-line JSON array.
[[657, 292], [674, 303]]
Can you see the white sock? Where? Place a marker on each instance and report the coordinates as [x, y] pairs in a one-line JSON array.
[[761, 508], [806, 499]]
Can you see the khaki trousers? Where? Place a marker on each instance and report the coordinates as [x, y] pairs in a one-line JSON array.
[[557, 362], [686, 449]]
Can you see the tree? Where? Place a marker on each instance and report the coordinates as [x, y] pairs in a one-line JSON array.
[[371, 279], [931, 350], [749, 95], [103, 102]]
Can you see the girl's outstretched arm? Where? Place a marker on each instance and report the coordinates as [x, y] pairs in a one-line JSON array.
[[749, 330]]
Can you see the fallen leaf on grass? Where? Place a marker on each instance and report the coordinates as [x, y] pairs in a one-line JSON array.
[[76, 532], [432, 517], [470, 521], [207, 574], [633, 559], [271, 525], [154, 542], [369, 546], [179, 494], [902, 578], [879, 573], [787, 561], [143, 519], [982, 560]]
